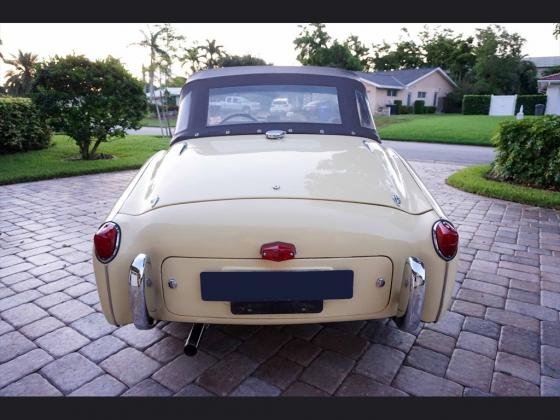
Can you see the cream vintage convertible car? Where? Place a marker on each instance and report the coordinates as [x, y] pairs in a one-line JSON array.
[[275, 218]]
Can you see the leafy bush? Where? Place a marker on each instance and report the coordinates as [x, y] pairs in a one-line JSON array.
[[529, 102], [22, 127], [528, 152], [476, 104], [90, 101], [398, 105], [430, 109], [405, 110], [453, 102], [419, 107]]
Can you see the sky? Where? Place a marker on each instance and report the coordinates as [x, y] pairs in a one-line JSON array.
[[272, 42]]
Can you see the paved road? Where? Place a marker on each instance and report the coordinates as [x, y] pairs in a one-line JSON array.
[[500, 337], [450, 153], [437, 152]]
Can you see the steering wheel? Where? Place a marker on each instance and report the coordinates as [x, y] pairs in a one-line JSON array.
[[240, 114]]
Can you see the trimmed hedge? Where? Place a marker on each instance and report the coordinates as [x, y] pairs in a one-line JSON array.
[[22, 127], [529, 102], [430, 109], [476, 104], [398, 106], [528, 152], [419, 106]]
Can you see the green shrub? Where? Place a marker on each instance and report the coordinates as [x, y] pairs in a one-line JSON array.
[[476, 104], [453, 102], [405, 110], [419, 107], [529, 102], [22, 127], [430, 109], [528, 152], [398, 106]]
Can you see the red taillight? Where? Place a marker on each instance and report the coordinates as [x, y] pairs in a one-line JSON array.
[[446, 239], [106, 242], [278, 251]]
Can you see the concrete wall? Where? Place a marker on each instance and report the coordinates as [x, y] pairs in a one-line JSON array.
[[553, 99], [434, 83]]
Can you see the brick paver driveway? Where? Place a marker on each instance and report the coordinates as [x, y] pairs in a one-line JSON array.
[[501, 337]]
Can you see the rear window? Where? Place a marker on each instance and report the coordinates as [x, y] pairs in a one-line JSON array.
[[364, 111], [273, 104]]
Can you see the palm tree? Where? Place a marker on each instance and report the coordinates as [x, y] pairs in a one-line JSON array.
[[192, 57], [162, 49], [20, 79], [212, 53]]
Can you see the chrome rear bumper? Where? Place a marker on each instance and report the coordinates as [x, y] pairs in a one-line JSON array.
[[412, 295], [139, 279]]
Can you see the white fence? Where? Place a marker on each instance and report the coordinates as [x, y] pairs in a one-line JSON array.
[[502, 104]]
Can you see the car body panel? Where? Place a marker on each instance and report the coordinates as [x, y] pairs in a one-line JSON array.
[[235, 230], [338, 168]]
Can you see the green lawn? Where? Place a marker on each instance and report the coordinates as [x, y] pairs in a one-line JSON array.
[[473, 179], [130, 153], [454, 128], [153, 122]]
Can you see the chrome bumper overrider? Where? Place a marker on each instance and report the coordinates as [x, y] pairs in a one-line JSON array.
[[412, 295], [139, 279]]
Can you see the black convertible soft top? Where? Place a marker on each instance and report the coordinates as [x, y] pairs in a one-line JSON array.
[[347, 83]]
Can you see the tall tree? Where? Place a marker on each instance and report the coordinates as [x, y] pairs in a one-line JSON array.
[[161, 43], [192, 57], [241, 60], [556, 31], [359, 50], [316, 49], [20, 78], [405, 54], [443, 48], [498, 61], [212, 53], [527, 78], [312, 38]]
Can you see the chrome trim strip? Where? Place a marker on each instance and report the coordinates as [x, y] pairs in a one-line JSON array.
[[108, 286], [412, 294], [137, 281]]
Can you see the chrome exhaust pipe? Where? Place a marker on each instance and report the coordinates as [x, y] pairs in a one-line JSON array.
[[191, 344]]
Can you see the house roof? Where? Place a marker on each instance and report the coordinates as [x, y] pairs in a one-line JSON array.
[[545, 61], [399, 79], [555, 76]]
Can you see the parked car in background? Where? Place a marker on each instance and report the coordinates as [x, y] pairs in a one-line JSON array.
[[276, 221], [236, 104], [280, 105]]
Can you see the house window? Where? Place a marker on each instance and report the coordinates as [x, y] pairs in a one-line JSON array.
[[391, 92], [421, 95]]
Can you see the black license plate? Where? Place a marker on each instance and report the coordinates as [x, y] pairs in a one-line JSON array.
[[291, 307], [276, 286]]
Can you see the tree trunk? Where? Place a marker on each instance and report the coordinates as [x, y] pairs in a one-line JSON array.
[[94, 149], [84, 149]]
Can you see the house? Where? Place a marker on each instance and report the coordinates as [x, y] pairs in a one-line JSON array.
[[428, 84], [544, 63], [552, 85], [173, 92]]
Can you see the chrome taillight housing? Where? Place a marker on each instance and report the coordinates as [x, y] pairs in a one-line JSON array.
[[446, 239], [106, 241]]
